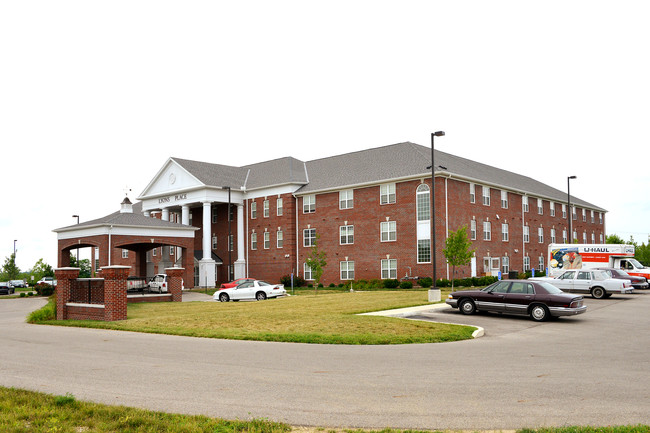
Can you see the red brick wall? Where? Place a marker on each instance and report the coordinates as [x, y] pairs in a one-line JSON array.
[[76, 312]]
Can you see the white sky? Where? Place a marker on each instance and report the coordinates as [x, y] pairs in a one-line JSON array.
[[95, 96]]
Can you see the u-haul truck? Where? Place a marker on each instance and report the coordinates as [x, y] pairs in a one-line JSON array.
[[577, 256]]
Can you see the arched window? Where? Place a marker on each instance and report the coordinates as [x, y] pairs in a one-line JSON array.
[[423, 203]]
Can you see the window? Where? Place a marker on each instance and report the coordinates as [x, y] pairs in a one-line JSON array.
[[584, 215], [505, 265], [231, 243], [575, 235], [280, 239], [347, 270], [307, 272], [526, 263], [551, 208], [309, 203], [601, 238], [504, 199], [552, 236], [600, 217], [388, 231], [504, 232], [526, 234], [524, 203], [125, 253], [347, 235], [171, 251], [267, 240], [154, 252], [279, 207], [424, 251], [346, 199], [540, 206], [487, 231], [593, 238], [540, 262], [214, 215], [564, 238], [253, 241], [253, 210], [574, 213], [584, 237], [540, 235], [388, 269], [423, 205], [563, 211], [214, 242], [387, 193], [308, 237], [472, 193], [486, 196], [266, 206], [472, 230]]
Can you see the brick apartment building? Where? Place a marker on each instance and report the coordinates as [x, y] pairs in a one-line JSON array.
[[370, 210]]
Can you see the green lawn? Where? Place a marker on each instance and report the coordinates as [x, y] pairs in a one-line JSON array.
[[323, 318]]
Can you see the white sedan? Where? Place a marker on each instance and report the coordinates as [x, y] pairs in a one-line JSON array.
[[255, 289], [597, 283]]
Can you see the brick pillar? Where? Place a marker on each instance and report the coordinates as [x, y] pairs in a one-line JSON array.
[[175, 282], [115, 292], [64, 277]]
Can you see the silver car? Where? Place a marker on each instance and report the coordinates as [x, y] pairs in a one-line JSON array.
[[595, 282]]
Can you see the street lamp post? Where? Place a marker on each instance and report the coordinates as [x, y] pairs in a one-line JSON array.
[[229, 236], [433, 218], [77, 216], [15, 240], [569, 211]]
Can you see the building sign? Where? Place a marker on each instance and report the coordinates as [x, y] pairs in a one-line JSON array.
[[170, 198]]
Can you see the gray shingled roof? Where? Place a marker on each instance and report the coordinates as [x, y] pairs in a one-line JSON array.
[[276, 172], [214, 174]]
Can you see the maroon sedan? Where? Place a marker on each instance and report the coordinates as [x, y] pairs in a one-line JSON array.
[[637, 282], [537, 299]]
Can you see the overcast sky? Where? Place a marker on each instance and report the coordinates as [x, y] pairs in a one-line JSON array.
[[95, 96]]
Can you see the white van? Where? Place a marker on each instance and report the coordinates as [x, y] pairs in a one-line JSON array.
[[158, 283]]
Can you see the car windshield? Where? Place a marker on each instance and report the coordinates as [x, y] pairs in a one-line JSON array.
[[550, 288], [635, 263]]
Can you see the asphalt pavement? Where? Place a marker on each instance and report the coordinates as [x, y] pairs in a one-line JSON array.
[[590, 369]]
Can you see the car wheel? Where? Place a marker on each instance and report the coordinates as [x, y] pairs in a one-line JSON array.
[[260, 296], [224, 297], [467, 306], [539, 313], [598, 292]]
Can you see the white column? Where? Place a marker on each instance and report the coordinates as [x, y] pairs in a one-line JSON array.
[[185, 215], [207, 266], [165, 214], [240, 264]]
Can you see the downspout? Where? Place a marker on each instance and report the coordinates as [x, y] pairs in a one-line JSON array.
[[297, 238], [110, 229], [247, 240], [523, 239], [447, 218]]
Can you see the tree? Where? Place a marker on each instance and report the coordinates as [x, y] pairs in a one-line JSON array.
[[614, 239], [41, 269], [457, 250], [642, 253], [83, 265], [317, 260], [9, 270]]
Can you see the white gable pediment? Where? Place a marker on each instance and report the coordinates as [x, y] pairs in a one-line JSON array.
[[170, 178]]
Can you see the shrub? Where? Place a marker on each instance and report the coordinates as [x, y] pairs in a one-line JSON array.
[[332, 285], [22, 294], [48, 312], [425, 282], [406, 285], [30, 293], [310, 285], [443, 282], [44, 289], [391, 284], [297, 281], [320, 285]]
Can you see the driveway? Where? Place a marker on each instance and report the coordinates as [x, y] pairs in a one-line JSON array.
[[589, 369]]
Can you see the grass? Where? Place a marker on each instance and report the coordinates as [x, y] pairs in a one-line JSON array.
[[324, 318], [26, 411]]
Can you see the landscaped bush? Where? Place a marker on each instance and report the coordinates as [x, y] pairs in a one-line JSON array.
[[391, 284], [297, 281], [425, 282], [320, 285], [44, 289], [443, 282], [332, 285], [406, 285], [22, 294]]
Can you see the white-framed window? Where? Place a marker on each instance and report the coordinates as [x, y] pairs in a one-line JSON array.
[[487, 231], [540, 235], [601, 238], [472, 193], [526, 234], [504, 199], [279, 207], [388, 231], [564, 238], [125, 253], [584, 237], [279, 239], [563, 210], [486, 196], [387, 193], [253, 241], [574, 213], [267, 240], [214, 214], [504, 232], [600, 217], [593, 218], [154, 252], [540, 206], [231, 243], [346, 234], [593, 237], [171, 250], [253, 210], [388, 269], [540, 262], [346, 199], [505, 265], [472, 230], [524, 203], [423, 203], [214, 242], [552, 236], [309, 237], [575, 235], [526, 263], [584, 215], [424, 251], [266, 206], [347, 270], [309, 203], [307, 272], [551, 208]]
